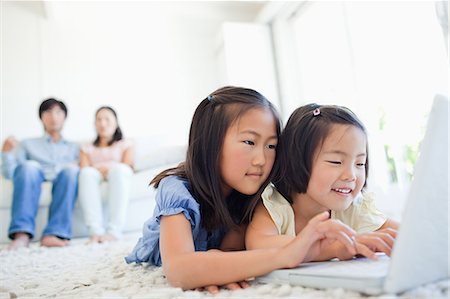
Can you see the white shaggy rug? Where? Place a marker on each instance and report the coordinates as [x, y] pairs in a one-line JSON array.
[[99, 271]]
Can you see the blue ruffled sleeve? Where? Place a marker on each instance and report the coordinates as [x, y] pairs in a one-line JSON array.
[[173, 197]]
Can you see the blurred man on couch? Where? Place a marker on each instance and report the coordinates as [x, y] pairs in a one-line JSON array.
[[31, 162]]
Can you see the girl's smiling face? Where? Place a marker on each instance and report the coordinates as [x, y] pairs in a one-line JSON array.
[[338, 169], [248, 151]]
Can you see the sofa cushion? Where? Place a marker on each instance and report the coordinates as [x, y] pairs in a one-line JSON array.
[[148, 155], [139, 187]]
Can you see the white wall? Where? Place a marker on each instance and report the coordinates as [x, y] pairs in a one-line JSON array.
[[21, 84], [151, 61], [248, 58]]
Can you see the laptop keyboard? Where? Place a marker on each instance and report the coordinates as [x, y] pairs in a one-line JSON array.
[[357, 267]]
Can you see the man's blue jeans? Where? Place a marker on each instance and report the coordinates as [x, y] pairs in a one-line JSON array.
[[28, 178]]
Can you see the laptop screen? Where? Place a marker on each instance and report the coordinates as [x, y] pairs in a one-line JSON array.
[[420, 252]]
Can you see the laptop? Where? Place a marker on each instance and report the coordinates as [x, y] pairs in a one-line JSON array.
[[420, 254]]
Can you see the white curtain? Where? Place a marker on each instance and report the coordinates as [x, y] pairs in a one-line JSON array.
[[442, 14]]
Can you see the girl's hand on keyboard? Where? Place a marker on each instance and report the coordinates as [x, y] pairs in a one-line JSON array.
[[369, 243], [322, 232]]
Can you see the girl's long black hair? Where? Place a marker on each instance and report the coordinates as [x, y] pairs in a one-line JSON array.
[[213, 116]]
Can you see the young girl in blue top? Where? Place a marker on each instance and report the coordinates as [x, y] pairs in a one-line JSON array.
[[203, 205]]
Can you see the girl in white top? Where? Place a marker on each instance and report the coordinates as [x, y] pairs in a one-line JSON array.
[[322, 166], [109, 157]]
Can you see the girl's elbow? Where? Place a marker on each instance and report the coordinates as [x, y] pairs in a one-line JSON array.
[[176, 277], [176, 282]]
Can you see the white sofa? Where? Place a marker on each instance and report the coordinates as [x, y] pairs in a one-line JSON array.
[[149, 161]]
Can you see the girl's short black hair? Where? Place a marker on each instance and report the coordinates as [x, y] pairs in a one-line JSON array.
[[211, 120], [117, 133], [49, 104], [304, 133]]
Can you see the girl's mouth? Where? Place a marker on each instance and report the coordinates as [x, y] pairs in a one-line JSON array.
[[342, 190]]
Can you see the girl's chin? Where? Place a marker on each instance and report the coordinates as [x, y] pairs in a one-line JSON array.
[[342, 205]]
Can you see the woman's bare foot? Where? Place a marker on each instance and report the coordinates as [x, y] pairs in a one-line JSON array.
[[53, 241], [94, 239], [107, 238], [20, 240]]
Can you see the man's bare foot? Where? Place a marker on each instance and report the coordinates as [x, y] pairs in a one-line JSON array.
[[107, 238], [53, 241], [94, 239], [20, 240]]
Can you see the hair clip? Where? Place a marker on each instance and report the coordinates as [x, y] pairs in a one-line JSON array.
[[316, 111], [210, 98]]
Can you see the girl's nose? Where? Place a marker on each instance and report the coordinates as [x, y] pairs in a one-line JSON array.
[[260, 157], [349, 174]]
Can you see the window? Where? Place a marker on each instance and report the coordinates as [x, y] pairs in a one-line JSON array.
[[384, 60]]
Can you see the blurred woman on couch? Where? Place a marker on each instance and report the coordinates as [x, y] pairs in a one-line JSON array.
[[110, 157]]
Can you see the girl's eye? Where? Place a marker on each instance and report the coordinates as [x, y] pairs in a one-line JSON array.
[[271, 146], [361, 164], [334, 162], [249, 142]]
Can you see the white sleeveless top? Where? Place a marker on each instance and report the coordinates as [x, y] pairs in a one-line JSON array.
[[361, 215]]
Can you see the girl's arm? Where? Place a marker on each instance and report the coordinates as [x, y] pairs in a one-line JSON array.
[[262, 232], [188, 269], [84, 160]]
